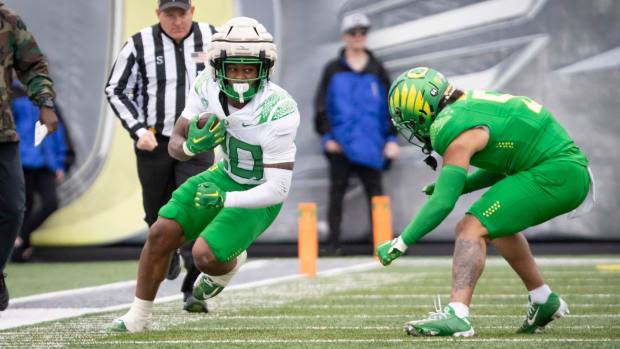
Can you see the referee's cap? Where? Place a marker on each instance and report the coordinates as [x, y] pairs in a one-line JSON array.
[[182, 4]]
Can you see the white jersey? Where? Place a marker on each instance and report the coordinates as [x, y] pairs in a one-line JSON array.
[[262, 132]]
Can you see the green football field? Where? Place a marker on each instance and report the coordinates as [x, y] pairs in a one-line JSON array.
[[361, 309]]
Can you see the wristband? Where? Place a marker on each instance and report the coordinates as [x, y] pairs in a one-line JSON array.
[[187, 151], [400, 245]]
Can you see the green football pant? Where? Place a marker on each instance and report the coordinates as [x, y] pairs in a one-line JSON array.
[[531, 197], [228, 231]]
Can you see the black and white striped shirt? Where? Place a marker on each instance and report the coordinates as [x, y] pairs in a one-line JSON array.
[[152, 75]]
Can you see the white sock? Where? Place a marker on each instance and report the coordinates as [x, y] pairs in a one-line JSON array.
[[460, 309], [540, 294], [139, 316], [223, 280]]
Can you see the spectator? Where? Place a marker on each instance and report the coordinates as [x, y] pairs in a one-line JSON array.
[[44, 168], [352, 117], [147, 88], [20, 54]]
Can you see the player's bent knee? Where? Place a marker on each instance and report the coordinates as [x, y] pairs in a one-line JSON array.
[[203, 257], [165, 236], [470, 227]]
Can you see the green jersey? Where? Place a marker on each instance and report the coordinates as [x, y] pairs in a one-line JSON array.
[[522, 133]]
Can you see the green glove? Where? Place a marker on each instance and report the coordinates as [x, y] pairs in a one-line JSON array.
[[206, 138], [388, 251], [429, 189], [209, 195]]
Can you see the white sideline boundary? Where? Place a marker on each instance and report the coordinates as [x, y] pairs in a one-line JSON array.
[[360, 267], [12, 318], [73, 292], [107, 287]]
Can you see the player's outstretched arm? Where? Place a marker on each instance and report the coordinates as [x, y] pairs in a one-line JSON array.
[[448, 188], [177, 139], [449, 185]]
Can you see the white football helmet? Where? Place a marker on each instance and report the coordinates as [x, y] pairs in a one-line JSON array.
[[242, 40]]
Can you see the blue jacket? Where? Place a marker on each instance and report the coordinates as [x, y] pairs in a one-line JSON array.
[[51, 152], [351, 108]]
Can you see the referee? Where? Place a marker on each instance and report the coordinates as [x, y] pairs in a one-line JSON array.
[[146, 89]]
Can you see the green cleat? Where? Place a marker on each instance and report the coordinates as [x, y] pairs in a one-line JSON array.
[[540, 314], [124, 324], [441, 323], [206, 288], [118, 325]]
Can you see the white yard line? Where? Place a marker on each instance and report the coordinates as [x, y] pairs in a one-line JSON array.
[[498, 261], [344, 340], [409, 306], [488, 296], [383, 316], [236, 329], [376, 328]]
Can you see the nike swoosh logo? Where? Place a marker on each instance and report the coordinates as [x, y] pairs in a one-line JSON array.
[[246, 125], [530, 321], [214, 194], [196, 140]]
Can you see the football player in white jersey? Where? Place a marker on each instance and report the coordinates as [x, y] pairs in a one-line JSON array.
[[228, 206]]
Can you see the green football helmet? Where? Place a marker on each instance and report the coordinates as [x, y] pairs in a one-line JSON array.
[[414, 99], [242, 40]]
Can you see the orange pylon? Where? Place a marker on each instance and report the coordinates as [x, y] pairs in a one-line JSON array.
[[308, 242]]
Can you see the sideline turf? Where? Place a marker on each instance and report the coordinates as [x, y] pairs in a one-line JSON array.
[[363, 310], [34, 278]]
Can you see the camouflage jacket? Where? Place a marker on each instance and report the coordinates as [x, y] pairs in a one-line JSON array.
[[19, 52]]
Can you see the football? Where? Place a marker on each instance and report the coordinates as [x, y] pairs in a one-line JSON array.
[[202, 121]]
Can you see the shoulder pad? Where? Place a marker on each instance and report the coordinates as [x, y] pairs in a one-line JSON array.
[[277, 106], [202, 79], [439, 123]]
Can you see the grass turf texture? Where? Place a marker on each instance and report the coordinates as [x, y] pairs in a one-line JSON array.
[[362, 310], [32, 278]]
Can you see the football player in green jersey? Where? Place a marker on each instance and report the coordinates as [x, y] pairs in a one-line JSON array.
[[534, 171]]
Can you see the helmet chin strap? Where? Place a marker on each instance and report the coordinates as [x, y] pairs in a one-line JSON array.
[[241, 88], [430, 159]]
